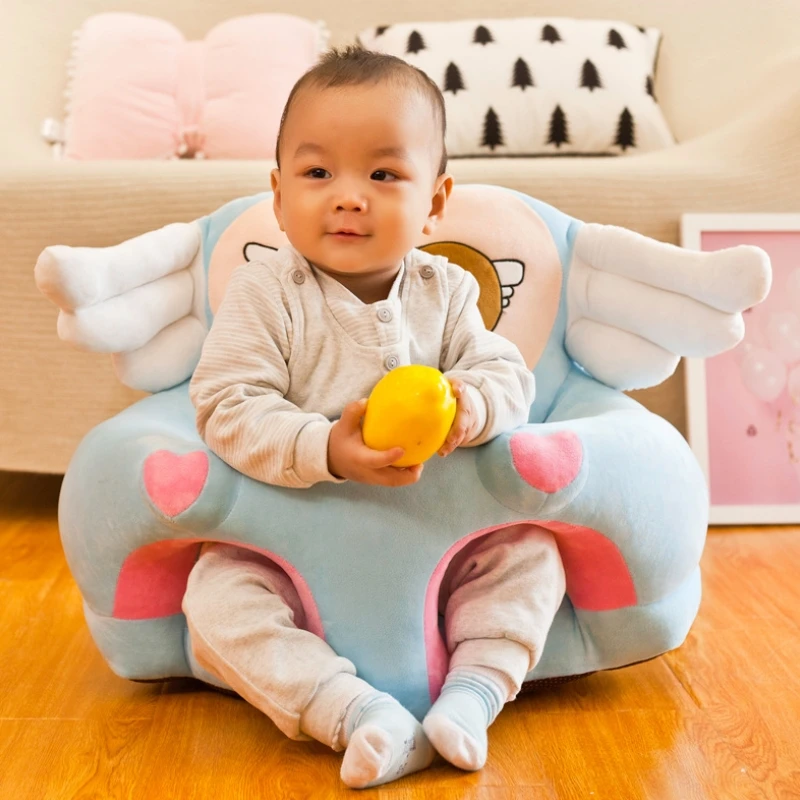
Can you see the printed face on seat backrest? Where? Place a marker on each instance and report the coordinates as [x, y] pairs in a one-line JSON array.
[[487, 230]]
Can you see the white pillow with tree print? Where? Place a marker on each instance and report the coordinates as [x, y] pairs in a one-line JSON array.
[[537, 86]]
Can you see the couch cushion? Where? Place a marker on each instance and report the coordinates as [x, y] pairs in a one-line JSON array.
[[138, 89], [537, 86]]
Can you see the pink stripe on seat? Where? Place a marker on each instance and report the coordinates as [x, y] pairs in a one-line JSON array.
[[152, 581]]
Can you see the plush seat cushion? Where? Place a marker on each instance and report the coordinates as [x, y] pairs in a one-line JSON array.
[[138, 89]]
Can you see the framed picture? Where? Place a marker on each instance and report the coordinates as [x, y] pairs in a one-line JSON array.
[[744, 405]]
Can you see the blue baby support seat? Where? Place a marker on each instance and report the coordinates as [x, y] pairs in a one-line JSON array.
[[617, 485]]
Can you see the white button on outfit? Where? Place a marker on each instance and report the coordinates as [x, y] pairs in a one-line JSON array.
[[385, 315], [298, 277]]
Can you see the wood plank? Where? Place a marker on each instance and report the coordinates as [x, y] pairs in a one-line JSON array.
[[755, 575], [51, 759], [746, 690], [47, 653]]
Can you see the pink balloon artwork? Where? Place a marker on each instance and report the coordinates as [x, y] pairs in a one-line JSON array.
[[769, 356]]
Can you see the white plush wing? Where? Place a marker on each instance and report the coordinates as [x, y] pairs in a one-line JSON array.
[[142, 300], [636, 305]]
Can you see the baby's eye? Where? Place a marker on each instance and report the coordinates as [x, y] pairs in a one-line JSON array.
[[383, 175], [318, 172]]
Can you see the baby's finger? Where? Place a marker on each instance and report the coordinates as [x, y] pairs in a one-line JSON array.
[[448, 447], [351, 415], [457, 387], [414, 473], [379, 459], [393, 476], [456, 436], [459, 430]]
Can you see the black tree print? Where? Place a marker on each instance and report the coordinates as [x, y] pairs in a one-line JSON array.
[[452, 79], [648, 86], [559, 133], [626, 136], [381, 29], [415, 42], [616, 40], [492, 132], [522, 75], [550, 34], [641, 29], [590, 79], [482, 35]]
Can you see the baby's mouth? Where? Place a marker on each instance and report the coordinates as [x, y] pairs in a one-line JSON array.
[[348, 233]]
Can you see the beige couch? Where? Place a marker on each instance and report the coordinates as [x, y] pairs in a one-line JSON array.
[[727, 80]]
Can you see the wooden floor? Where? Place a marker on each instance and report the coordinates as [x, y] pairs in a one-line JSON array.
[[719, 718]]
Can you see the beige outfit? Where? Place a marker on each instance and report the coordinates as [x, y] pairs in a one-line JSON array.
[[289, 348]]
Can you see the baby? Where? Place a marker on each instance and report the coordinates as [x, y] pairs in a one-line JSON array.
[[298, 341]]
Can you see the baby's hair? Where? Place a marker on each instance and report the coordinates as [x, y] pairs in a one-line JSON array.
[[354, 65]]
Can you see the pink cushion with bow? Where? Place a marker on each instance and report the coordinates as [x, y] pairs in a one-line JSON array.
[[140, 90]]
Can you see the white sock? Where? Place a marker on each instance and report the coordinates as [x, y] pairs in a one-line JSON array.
[[456, 725], [384, 742]]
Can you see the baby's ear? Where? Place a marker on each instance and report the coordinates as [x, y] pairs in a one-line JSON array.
[[275, 180], [441, 193]]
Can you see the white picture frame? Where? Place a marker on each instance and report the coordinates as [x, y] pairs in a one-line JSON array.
[[773, 232]]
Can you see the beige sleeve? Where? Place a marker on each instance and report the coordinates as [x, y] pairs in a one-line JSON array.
[[239, 386], [497, 378]]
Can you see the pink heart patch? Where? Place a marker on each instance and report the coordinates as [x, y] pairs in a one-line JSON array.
[[173, 482], [548, 463]]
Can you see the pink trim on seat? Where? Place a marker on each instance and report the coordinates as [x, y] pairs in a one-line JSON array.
[[598, 579], [153, 578], [152, 581]]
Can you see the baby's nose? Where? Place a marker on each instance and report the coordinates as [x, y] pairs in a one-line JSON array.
[[352, 205], [350, 201]]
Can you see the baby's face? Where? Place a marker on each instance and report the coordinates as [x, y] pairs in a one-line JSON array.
[[358, 181]]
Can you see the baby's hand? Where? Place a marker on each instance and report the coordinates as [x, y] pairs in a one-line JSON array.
[[350, 458], [463, 427]]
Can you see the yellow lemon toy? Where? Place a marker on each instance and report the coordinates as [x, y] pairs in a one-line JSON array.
[[411, 407]]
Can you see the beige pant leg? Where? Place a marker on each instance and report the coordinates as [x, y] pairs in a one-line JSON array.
[[501, 595], [245, 620]]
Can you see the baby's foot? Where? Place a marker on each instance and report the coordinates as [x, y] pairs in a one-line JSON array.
[[457, 722], [384, 742]]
